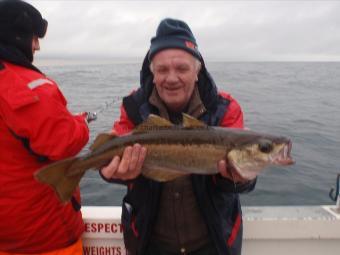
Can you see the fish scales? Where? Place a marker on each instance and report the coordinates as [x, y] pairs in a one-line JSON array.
[[176, 149]]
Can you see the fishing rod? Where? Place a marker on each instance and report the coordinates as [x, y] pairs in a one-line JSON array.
[[93, 115]]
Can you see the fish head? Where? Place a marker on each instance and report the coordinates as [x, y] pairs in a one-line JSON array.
[[252, 157]]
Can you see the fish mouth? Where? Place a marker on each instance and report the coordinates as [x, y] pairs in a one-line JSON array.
[[284, 157]]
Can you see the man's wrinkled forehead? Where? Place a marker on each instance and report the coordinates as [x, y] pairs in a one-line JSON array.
[[172, 56]]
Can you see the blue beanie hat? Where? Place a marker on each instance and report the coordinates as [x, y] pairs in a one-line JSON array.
[[173, 33]]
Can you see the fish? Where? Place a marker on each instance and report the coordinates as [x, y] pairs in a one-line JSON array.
[[174, 151]]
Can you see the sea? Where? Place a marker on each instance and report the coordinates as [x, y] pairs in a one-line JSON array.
[[300, 100]]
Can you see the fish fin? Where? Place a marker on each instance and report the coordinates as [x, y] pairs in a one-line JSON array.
[[191, 122], [68, 186], [161, 174], [101, 139], [55, 175], [153, 122]]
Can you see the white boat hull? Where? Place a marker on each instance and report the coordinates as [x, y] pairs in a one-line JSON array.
[[312, 230]]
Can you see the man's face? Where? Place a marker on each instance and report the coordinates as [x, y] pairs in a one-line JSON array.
[[175, 73], [35, 44]]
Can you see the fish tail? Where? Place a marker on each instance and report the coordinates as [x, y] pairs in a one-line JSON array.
[[56, 176]]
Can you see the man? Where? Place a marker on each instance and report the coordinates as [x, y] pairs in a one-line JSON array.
[[36, 129], [191, 215]]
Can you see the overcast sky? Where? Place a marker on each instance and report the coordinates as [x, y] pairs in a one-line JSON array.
[[225, 30]]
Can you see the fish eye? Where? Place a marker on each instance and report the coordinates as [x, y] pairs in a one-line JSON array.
[[265, 146]]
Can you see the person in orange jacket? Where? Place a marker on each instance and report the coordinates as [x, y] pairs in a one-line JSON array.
[[36, 129]]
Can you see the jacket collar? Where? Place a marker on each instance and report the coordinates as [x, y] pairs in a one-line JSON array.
[[195, 107]]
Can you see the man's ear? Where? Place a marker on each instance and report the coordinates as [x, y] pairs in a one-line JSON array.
[[151, 67], [198, 67]]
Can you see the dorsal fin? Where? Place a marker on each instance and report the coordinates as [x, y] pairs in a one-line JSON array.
[[101, 139], [153, 122], [191, 122]]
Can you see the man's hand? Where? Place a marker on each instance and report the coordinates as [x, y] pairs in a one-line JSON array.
[[127, 167], [229, 173]]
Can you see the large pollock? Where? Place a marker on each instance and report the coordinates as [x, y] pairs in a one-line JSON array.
[[173, 151]]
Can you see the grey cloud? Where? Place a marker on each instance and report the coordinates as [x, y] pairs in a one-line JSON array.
[[228, 30]]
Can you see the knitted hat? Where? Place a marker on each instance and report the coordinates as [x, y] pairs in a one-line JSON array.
[[173, 33], [19, 22]]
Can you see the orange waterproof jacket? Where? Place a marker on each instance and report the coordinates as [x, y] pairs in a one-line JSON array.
[[36, 129]]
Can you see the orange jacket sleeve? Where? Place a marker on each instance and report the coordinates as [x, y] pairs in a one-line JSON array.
[[233, 116], [124, 124]]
